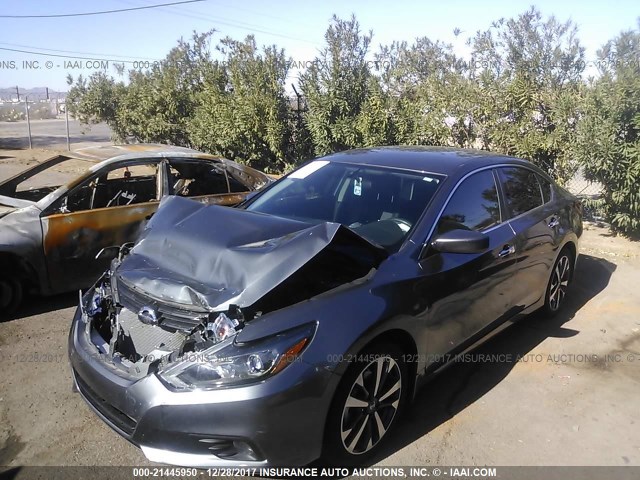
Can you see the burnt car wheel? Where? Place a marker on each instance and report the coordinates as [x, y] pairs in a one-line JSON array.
[[559, 282], [10, 295], [366, 406]]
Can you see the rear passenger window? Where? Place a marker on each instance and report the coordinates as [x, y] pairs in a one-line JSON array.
[[473, 206], [546, 189], [521, 190], [235, 186], [194, 178]]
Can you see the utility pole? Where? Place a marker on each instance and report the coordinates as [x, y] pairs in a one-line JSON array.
[[26, 108], [66, 119], [18, 92]]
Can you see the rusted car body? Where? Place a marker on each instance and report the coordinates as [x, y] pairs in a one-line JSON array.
[[50, 234]]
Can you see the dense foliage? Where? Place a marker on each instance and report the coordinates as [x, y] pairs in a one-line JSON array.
[[523, 91], [608, 136]]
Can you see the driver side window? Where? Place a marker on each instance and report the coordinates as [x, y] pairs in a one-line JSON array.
[[473, 206], [129, 185]]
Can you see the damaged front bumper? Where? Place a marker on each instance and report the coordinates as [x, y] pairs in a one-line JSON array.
[[279, 421]]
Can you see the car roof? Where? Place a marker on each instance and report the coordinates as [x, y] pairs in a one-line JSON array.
[[136, 150], [106, 155], [440, 160]]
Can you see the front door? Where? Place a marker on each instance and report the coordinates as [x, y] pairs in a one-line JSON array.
[[469, 293], [106, 210]]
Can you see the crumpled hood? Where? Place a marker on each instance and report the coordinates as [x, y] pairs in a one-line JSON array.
[[14, 202], [6, 210], [211, 257]]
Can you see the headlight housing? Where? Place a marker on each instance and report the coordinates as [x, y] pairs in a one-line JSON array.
[[231, 364], [94, 304]]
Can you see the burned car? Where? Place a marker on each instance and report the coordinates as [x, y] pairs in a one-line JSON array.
[[304, 320], [58, 215]]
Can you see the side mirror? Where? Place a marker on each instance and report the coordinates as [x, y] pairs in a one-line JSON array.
[[461, 241]]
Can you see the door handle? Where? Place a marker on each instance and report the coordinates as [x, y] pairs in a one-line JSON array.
[[554, 222], [506, 251]]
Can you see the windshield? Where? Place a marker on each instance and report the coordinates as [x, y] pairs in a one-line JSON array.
[[39, 181], [381, 204]]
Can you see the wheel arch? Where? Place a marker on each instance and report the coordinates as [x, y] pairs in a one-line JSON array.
[[571, 246], [396, 336], [22, 268], [399, 338]]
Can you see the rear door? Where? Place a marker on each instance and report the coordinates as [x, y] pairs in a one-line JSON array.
[[106, 210], [469, 293], [535, 222]]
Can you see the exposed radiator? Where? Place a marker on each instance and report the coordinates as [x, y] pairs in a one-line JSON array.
[[147, 338]]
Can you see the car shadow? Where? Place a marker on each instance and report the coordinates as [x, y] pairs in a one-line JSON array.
[[33, 305], [464, 383]]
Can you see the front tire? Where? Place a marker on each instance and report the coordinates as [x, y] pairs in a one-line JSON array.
[[11, 292], [367, 405]]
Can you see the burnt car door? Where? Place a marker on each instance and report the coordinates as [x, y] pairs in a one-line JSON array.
[[536, 223], [204, 180], [468, 294], [107, 209]]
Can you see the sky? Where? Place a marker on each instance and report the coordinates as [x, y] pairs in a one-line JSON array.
[[297, 26]]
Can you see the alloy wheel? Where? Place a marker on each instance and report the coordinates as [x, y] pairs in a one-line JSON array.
[[371, 405], [559, 282]]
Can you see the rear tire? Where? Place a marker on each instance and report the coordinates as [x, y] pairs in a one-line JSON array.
[[366, 405], [11, 293], [559, 281]]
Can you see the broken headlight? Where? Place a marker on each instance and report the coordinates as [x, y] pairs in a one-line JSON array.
[[93, 302], [229, 363], [94, 305]]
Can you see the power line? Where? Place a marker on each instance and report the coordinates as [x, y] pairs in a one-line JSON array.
[[242, 25], [81, 53], [282, 19], [251, 28], [84, 14], [68, 56]]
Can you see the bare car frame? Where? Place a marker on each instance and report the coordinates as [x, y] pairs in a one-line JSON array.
[[57, 216]]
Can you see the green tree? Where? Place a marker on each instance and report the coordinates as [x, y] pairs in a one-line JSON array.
[[608, 138], [337, 86], [159, 102], [531, 69], [97, 99], [249, 118], [155, 105], [417, 78]]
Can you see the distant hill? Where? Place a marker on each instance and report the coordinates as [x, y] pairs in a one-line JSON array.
[[9, 93]]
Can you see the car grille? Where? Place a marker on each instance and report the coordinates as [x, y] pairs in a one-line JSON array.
[[169, 317], [115, 417]]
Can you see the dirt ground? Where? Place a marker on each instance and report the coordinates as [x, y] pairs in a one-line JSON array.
[[564, 393]]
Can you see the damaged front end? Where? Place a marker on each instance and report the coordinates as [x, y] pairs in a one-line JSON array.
[[204, 356], [199, 274]]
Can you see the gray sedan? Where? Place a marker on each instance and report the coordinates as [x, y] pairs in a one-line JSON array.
[[301, 323]]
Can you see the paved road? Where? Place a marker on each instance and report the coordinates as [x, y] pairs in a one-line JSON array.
[[51, 134]]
